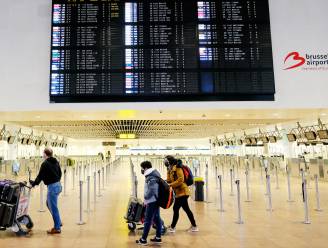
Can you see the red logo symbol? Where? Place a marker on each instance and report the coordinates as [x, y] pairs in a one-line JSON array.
[[296, 58]]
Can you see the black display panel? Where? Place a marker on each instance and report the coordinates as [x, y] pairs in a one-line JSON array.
[[184, 50]]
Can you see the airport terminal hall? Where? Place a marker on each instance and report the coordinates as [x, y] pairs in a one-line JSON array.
[[163, 123]]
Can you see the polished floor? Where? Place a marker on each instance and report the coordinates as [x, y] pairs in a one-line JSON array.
[[105, 226]]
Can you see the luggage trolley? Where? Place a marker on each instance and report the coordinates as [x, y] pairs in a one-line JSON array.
[[14, 204], [135, 215]]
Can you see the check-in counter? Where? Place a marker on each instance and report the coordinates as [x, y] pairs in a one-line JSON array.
[[294, 166], [242, 163], [314, 167], [257, 163]]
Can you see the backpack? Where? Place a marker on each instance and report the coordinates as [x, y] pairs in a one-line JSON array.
[[188, 176], [166, 194]]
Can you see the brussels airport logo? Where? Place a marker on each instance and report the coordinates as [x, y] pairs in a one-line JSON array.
[[313, 62]]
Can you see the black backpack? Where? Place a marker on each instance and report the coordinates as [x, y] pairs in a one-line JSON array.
[[166, 194]]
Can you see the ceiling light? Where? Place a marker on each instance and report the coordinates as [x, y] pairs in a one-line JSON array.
[[323, 114], [126, 113], [127, 136], [38, 116]]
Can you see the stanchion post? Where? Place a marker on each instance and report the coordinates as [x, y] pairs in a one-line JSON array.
[[266, 182], [65, 181], [269, 193], [302, 175], [239, 221], [88, 194], [237, 164], [103, 177], [231, 183], [277, 178], [107, 169], [288, 185], [305, 200], [80, 173], [216, 177], [261, 170], [41, 198], [99, 194], [94, 187], [73, 177], [81, 222], [317, 193], [247, 186], [220, 194], [206, 178]]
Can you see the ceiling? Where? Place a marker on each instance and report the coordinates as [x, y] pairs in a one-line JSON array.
[[145, 129], [148, 124]]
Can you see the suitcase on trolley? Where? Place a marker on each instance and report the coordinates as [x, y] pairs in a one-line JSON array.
[[7, 217], [134, 210], [2, 210], [10, 192]]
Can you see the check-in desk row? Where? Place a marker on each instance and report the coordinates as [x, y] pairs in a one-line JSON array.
[[255, 163]]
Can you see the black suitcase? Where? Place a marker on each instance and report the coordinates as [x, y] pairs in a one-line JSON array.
[[10, 192], [2, 211], [7, 218], [134, 210], [3, 183]]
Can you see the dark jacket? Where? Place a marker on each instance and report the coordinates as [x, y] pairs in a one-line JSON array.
[[49, 173], [151, 185]]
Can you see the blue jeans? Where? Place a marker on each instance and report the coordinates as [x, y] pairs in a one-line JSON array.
[[152, 214], [52, 203]]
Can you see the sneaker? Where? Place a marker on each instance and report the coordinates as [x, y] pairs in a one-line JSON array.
[[170, 229], [156, 240], [142, 242], [193, 229], [54, 231]]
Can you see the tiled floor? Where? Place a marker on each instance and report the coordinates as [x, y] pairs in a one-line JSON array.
[[105, 226]]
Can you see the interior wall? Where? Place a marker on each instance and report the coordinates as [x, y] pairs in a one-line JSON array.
[[297, 25], [84, 147]]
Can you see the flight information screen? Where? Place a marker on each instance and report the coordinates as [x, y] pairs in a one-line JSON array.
[[164, 50]]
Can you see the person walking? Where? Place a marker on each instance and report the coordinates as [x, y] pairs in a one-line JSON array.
[[50, 173], [175, 178], [150, 200]]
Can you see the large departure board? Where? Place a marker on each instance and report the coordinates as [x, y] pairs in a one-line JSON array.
[[164, 50]]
